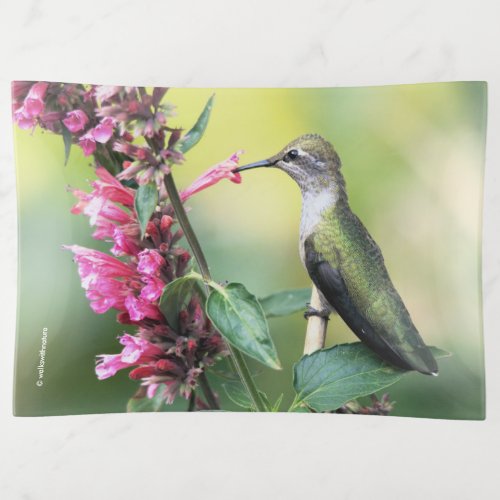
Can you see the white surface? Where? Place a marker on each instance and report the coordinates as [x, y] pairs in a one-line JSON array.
[[253, 43]]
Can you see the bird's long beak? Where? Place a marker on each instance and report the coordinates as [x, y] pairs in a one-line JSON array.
[[262, 163]]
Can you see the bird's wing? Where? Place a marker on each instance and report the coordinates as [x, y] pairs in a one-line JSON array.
[[388, 345]]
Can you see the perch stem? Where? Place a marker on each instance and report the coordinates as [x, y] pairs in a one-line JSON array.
[[316, 326]]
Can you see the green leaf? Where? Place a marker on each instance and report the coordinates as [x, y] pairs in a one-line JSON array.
[[285, 302], [176, 295], [139, 402], [300, 409], [67, 138], [146, 199], [225, 371], [238, 316], [196, 133], [238, 395], [276, 406], [265, 400], [329, 378]]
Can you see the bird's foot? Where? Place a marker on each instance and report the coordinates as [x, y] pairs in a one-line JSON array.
[[311, 311]]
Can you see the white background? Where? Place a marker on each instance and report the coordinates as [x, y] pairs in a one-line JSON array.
[[253, 43]]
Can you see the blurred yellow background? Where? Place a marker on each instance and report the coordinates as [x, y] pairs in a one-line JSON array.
[[413, 159]]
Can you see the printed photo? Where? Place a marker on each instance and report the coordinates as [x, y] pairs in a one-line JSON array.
[[313, 250]]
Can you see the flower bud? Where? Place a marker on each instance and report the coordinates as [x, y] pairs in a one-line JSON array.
[[142, 372], [166, 223], [166, 365]]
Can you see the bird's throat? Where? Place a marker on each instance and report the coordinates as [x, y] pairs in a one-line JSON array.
[[315, 205]]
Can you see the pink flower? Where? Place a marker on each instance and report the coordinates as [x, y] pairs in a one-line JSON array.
[[149, 130], [103, 132], [104, 230], [151, 391], [170, 390], [111, 283], [75, 120], [108, 365], [213, 175], [100, 207], [153, 289], [33, 102], [139, 308], [130, 170], [182, 262], [112, 189], [104, 215], [140, 153], [105, 92], [87, 143], [93, 265], [136, 351], [150, 262], [20, 89], [84, 199], [172, 366], [102, 278], [50, 120], [24, 122], [142, 372], [126, 240], [106, 294], [108, 188], [131, 288]]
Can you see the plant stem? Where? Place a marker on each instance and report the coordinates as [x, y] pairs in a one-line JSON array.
[[190, 235], [246, 378], [207, 391], [192, 400], [237, 357]]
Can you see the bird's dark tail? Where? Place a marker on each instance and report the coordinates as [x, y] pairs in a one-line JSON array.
[[418, 357]]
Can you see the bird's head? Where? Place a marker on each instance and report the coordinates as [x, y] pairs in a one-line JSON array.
[[310, 160]]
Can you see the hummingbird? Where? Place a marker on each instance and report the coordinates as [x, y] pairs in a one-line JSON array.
[[343, 260]]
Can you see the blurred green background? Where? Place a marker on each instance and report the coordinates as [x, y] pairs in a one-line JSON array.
[[413, 160]]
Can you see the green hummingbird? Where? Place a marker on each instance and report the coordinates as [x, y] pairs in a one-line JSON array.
[[343, 260]]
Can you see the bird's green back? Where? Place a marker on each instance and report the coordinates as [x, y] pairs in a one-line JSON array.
[[344, 241]]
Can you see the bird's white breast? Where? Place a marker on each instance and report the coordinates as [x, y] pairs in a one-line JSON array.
[[313, 206]]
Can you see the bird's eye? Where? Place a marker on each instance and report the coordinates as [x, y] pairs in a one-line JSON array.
[[291, 155]]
